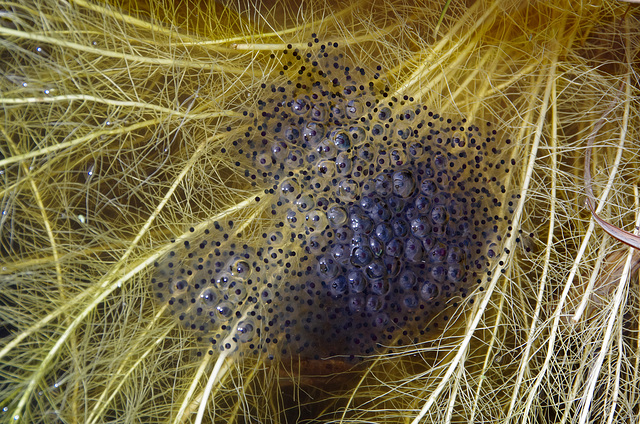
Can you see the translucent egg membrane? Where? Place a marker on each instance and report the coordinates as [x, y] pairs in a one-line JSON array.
[[383, 216]]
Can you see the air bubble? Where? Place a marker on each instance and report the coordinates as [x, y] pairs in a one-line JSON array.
[[357, 282], [373, 304], [361, 256], [245, 330], [280, 150], [375, 269], [327, 267], [275, 238], [318, 112], [429, 291], [240, 268], [337, 216], [354, 109], [313, 132], [439, 215], [209, 298], [290, 189], [407, 280], [413, 250], [338, 286], [343, 163], [341, 139], [316, 220], [420, 227], [224, 310], [348, 190], [358, 136], [384, 232], [304, 203]]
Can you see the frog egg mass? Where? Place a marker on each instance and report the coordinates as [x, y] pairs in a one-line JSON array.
[[380, 217]]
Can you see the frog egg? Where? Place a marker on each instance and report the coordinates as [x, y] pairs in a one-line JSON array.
[[361, 256], [377, 215], [379, 286], [377, 132], [416, 150], [360, 222], [343, 234], [455, 273], [423, 205], [375, 270], [380, 212], [455, 255], [223, 279], [438, 253], [338, 110], [397, 157], [413, 250], [373, 303], [383, 184], [178, 287], [376, 246], [384, 114], [291, 133], [438, 273], [400, 227], [384, 232], [420, 227], [394, 248], [356, 303], [279, 150], [407, 115], [410, 302], [292, 218], [294, 159]]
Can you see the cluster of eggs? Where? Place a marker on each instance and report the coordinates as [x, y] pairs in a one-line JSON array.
[[381, 217]]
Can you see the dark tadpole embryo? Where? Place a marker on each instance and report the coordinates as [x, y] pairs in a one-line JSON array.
[[382, 216]]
